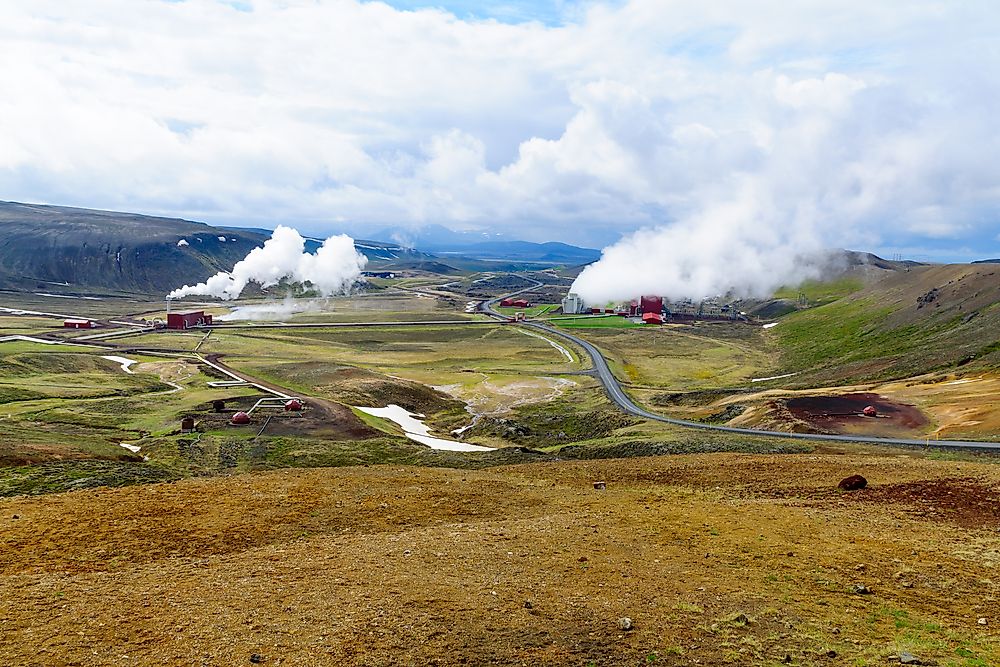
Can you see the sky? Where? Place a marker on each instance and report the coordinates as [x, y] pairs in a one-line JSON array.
[[847, 123]]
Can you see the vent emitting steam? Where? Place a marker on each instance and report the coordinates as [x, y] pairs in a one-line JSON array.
[[334, 267]]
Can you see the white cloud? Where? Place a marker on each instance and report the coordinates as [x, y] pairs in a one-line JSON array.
[[824, 124]]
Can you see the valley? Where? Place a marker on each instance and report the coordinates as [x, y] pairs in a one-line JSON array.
[[719, 546]]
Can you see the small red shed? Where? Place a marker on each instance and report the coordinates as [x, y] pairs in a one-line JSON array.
[[78, 324], [515, 303], [652, 318]]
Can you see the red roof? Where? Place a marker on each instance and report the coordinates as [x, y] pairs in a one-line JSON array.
[[652, 318]]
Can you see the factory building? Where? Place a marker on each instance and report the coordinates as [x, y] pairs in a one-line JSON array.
[[188, 319], [515, 303], [651, 304], [572, 304]]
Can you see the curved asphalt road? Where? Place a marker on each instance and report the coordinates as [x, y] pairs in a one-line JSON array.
[[618, 395]]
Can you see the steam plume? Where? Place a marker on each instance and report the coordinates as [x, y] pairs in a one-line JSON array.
[[333, 269], [739, 248]]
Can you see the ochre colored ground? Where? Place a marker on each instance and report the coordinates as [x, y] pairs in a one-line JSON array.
[[717, 559]]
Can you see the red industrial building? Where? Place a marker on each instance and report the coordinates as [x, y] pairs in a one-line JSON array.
[[78, 324], [652, 318], [651, 304], [515, 303], [188, 319]]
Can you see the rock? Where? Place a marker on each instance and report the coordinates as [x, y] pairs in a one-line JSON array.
[[583, 559], [852, 483], [600, 486], [982, 621], [16, 516], [908, 659], [256, 658], [861, 589], [787, 659], [528, 604], [831, 654], [741, 619], [625, 623]]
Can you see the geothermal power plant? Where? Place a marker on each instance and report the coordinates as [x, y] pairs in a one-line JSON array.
[[652, 309]]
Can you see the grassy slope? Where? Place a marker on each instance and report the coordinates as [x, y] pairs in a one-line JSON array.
[[719, 560], [882, 331]]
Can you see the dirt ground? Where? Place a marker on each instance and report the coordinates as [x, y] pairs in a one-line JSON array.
[[716, 559], [844, 414]]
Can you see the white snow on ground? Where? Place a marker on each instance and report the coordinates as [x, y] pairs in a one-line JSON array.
[[770, 324], [773, 377], [183, 242], [124, 362], [132, 448], [963, 381], [417, 431], [222, 238]]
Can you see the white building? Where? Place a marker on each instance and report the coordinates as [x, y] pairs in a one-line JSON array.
[[572, 304]]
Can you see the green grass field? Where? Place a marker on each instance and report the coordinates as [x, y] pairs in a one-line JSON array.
[[819, 292], [595, 322]]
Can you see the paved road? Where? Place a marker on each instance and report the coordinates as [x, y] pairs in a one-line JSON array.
[[618, 395]]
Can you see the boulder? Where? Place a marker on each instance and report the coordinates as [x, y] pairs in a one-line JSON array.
[[852, 483]]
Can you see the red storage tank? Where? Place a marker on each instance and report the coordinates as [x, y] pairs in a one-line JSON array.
[[293, 405], [870, 411], [240, 419]]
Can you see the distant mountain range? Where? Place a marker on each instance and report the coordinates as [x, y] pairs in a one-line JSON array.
[[75, 249], [440, 240]]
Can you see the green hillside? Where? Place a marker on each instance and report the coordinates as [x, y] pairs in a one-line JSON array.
[[911, 322]]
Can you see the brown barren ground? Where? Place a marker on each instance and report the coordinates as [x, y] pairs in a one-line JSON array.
[[717, 559], [844, 414]]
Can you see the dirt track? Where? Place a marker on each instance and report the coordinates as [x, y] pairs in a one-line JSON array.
[[525, 565]]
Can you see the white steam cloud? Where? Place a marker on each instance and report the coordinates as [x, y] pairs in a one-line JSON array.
[[273, 311], [334, 267], [736, 249]]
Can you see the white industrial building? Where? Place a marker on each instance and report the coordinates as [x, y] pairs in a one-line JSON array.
[[572, 304]]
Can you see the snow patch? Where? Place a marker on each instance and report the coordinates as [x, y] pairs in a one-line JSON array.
[[182, 243], [417, 431], [124, 361], [773, 377]]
